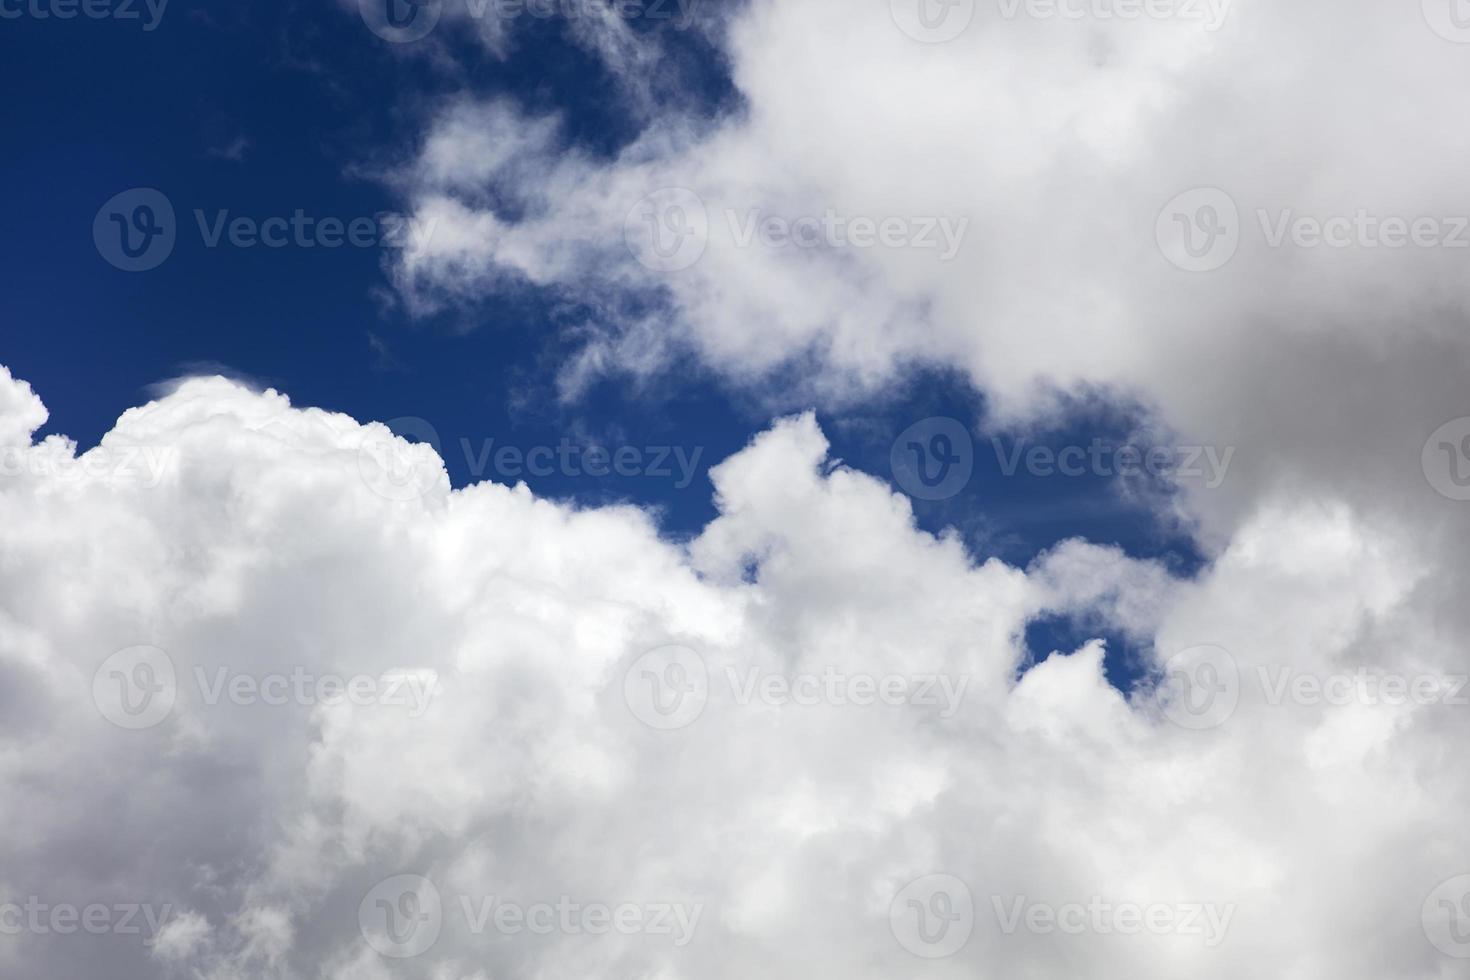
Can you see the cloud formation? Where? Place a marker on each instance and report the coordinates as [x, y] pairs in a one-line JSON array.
[[750, 753], [278, 702], [1243, 217]]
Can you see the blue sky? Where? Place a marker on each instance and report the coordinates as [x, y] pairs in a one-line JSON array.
[[260, 110]]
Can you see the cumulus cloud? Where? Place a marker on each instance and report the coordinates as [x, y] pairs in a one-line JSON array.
[[21, 412], [313, 713]]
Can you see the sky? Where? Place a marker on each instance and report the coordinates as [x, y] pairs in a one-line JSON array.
[[899, 486], [300, 107]]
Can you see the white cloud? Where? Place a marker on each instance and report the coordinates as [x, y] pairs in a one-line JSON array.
[[1320, 829], [182, 937], [1060, 139], [21, 412]]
